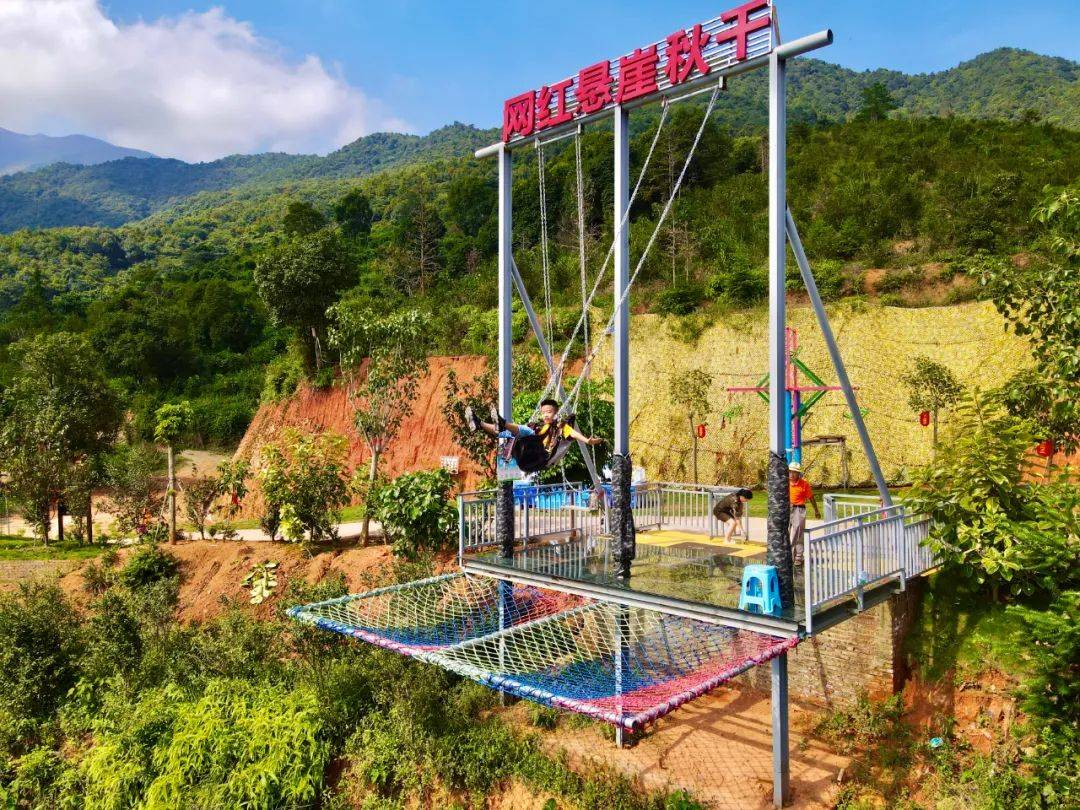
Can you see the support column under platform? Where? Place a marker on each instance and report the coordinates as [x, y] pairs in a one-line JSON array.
[[781, 753]]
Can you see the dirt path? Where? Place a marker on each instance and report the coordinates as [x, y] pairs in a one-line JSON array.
[[13, 572], [719, 749]]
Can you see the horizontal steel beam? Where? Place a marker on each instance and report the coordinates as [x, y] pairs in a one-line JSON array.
[[726, 617], [786, 51]]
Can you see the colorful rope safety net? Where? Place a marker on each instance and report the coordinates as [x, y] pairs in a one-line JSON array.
[[624, 665]]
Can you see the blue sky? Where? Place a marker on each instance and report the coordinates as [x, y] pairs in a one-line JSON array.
[[200, 79], [433, 62]]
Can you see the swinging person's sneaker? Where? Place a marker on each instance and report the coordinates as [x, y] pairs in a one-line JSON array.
[[471, 420], [496, 418]]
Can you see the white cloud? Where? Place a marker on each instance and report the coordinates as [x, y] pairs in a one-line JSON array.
[[197, 86]]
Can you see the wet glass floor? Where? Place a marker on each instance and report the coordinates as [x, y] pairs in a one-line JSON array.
[[677, 565]]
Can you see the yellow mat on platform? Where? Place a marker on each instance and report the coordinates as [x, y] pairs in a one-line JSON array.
[[671, 537]]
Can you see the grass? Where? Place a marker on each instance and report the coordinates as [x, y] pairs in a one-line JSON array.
[[14, 548], [956, 631], [759, 504]]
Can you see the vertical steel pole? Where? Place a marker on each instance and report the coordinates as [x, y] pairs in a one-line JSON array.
[[622, 280], [621, 458], [837, 361], [779, 553], [504, 505], [506, 283], [781, 760]]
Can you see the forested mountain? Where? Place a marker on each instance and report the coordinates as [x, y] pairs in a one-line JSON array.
[[1004, 84], [124, 190], [20, 152], [171, 302]]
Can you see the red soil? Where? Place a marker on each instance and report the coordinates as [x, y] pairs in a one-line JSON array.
[[210, 574], [423, 440]]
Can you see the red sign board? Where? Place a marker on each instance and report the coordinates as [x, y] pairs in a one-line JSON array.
[[924, 418], [742, 33]]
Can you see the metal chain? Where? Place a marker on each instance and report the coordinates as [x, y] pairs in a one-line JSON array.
[[586, 342]]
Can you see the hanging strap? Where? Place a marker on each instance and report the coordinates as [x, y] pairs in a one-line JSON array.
[[545, 256]]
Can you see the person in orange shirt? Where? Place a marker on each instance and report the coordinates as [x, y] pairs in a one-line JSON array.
[[800, 492]]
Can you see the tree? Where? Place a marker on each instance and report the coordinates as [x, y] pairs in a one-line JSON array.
[[988, 523], [58, 412], [302, 219], [353, 214], [931, 387], [690, 392], [876, 103], [383, 358], [421, 229], [305, 482], [1041, 301], [173, 420], [132, 475], [299, 280], [199, 496]]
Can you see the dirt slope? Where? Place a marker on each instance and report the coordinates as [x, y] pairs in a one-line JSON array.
[[210, 573], [424, 436]]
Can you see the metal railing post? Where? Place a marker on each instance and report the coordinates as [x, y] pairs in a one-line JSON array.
[[461, 528], [808, 577], [859, 565]]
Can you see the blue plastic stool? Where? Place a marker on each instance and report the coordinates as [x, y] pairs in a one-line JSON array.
[[760, 590]]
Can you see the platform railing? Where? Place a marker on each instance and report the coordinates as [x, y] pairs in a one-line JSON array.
[[841, 505], [847, 556], [690, 507], [540, 511], [551, 510]]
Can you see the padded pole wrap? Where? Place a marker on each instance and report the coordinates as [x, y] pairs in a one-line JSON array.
[[621, 513], [504, 518], [779, 543]]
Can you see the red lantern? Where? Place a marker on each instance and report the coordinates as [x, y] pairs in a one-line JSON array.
[[1045, 449], [924, 418], [701, 431]]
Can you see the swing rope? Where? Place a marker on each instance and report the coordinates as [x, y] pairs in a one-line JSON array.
[[556, 377], [545, 256], [645, 253], [586, 342]]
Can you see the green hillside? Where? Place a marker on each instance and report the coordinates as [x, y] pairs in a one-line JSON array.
[[120, 191], [1005, 84], [170, 303]]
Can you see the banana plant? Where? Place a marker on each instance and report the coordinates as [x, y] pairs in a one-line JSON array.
[[261, 581]]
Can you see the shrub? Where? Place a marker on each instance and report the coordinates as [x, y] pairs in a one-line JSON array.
[[199, 496], [416, 512], [149, 565], [682, 299], [132, 472], [987, 524], [283, 375], [242, 745], [39, 649], [829, 277], [113, 637], [740, 285], [305, 478]]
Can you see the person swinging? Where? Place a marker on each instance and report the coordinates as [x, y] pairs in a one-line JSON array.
[[538, 445]]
